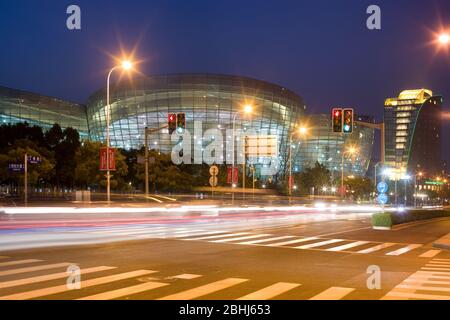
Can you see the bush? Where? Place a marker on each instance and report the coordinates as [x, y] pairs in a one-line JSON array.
[[383, 219]]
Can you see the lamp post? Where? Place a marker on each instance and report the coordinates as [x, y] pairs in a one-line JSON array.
[[248, 109], [303, 131], [350, 151], [125, 65]]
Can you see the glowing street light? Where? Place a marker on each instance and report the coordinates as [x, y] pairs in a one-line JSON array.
[[351, 150], [125, 65], [303, 131], [444, 38]]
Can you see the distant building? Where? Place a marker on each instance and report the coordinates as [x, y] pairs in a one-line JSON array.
[[323, 146], [413, 134]]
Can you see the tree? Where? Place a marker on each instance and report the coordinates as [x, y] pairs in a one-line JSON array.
[[315, 177], [358, 187]]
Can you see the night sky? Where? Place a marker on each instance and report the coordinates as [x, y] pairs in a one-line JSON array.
[[320, 49]]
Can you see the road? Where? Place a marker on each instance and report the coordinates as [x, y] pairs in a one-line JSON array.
[[222, 255]]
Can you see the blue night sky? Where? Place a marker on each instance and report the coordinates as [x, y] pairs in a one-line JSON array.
[[321, 49]]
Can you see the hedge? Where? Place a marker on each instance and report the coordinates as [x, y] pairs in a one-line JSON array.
[[388, 219]]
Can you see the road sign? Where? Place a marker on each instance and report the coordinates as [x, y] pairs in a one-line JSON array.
[[214, 170], [213, 181], [16, 167], [382, 198], [34, 160], [382, 187], [230, 175]]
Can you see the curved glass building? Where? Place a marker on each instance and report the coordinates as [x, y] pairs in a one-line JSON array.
[[17, 106], [323, 146], [212, 99]]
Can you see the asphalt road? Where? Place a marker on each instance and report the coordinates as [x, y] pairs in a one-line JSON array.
[[325, 259]]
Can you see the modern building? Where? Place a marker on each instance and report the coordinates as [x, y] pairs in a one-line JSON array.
[[413, 134], [212, 99], [323, 146], [20, 106]]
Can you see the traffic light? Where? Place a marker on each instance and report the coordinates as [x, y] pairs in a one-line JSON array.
[[172, 122], [181, 122], [337, 120], [348, 121]]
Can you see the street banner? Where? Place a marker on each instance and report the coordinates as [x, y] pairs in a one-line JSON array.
[[229, 175], [103, 159]]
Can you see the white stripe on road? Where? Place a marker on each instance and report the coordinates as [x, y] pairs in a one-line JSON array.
[[85, 284], [440, 269], [125, 291], [53, 276], [16, 262], [403, 250], [439, 262], [220, 236], [292, 241], [440, 259], [437, 265], [32, 269], [430, 254], [242, 238], [434, 273], [333, 293], [376, 248], [186, 276], [348, 246], [319, 244], [395, 295], [204, 290], [425, 288], [270, 291], [418, 280], [266, 240]]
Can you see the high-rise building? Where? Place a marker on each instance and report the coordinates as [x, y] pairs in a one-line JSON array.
[[413, 134]]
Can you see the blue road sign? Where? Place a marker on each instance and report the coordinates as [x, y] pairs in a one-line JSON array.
[[382, 198], [382, 187], [16, 167]]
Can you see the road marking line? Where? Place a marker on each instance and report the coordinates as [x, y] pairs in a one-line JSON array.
[[220, 236], [394, 294], [266, 240], [348, 246], [439, 262], [434, 273], [425, 288], [157, 200], [84, 284], [114, 294], [186, 276], [333, 293], [292, 241], [242, 238], [319, 244], [403, 250], [425, 281], [440, 259], [440, 269], [437, 265], [37, 268], [53, 276], [167, 198], [270, 291], [339, 232], [204, 290], [16, 262], [377, 247], [430, 254]]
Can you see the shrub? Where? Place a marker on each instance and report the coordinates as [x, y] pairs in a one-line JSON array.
[[383, 219]]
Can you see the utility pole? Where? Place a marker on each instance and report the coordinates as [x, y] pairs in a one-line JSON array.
[[26, 179]]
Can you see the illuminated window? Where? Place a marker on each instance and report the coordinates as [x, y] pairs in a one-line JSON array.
[[400, 146], [402, 127], [401, 139], [403, 120], [402, 133]]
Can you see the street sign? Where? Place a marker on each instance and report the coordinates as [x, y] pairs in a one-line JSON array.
[[214, 170], [382, 187], [103, 159], [213, 181], [34, 160], [382, 198], [16, 167]]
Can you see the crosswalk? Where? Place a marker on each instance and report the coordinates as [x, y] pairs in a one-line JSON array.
[[46, 280], [108, 282], [218, 236], [431, 282]]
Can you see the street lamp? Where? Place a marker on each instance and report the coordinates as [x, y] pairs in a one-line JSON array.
[[125, 65], [444, 38], [247, 109], [302, 131], [350, 151]]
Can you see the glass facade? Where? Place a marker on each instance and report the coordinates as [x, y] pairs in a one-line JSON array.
[[212, 99], [321, 145], [413, 133], [18, 106]]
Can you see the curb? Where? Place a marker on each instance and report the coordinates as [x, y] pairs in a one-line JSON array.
[[443, 243]]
